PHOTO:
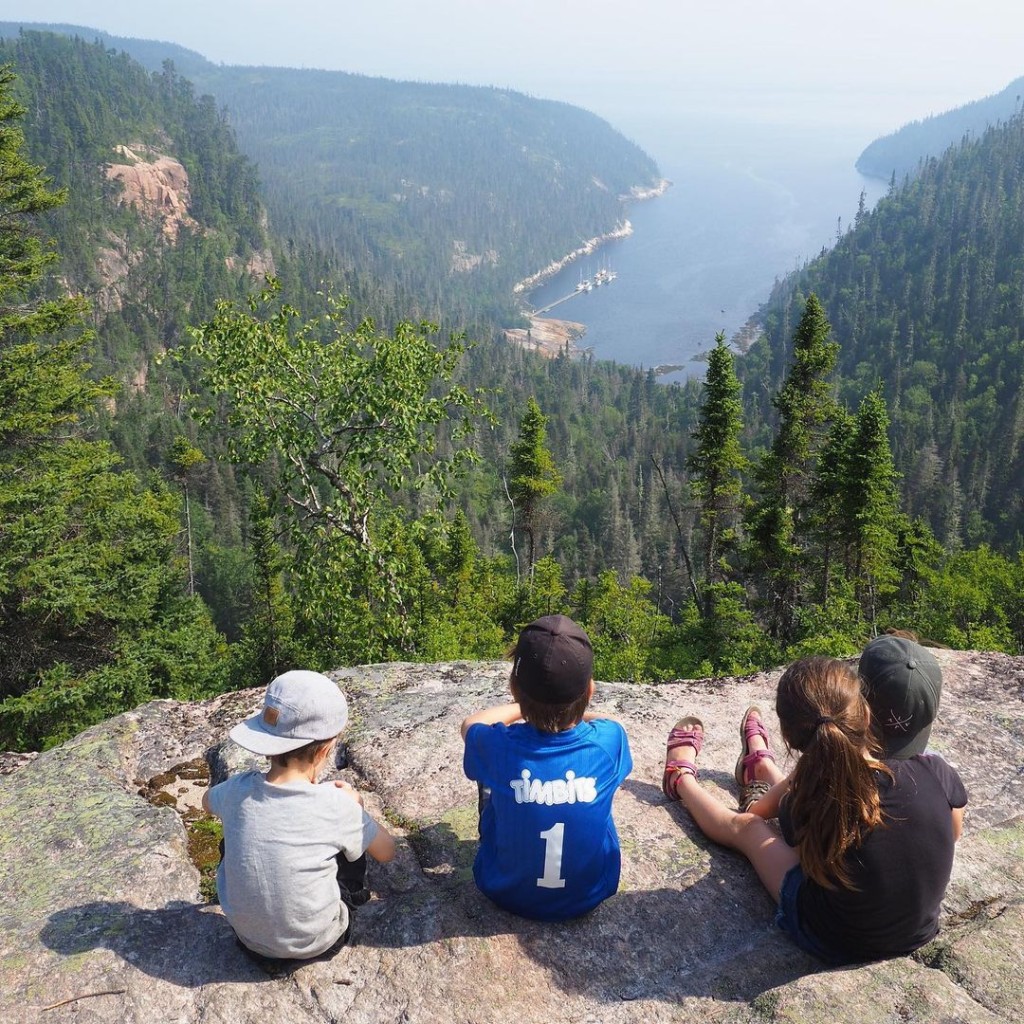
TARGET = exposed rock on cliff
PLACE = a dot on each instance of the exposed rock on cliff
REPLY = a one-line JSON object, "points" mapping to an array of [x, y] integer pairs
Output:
{"points": [[158, 188], [100, 903]]}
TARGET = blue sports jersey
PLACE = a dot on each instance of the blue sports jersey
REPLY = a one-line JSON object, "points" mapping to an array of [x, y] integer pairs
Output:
{"points": [[548, 845]]}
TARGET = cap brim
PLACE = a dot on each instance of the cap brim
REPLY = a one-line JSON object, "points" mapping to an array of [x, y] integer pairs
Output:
{"points": [[251, 735]]}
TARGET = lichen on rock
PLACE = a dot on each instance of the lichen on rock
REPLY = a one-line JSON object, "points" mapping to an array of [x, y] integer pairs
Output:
{"points": [[101, 904]]}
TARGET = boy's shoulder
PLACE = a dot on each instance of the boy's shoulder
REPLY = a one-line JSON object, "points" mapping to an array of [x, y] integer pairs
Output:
{"points": [[233, 788]]}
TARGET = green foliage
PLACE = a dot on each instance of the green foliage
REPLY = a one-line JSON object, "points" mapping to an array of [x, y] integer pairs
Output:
{"points": [[974, 601], [93, 618], [347, 418], [905, 150], [924, 294], [341, 530], [452, 193], [717, 461], [870, 511], [781, 515], [532, 474], [625, 628]]}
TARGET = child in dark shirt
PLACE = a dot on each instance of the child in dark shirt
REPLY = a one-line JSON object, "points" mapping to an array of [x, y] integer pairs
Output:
{"points": [[867, 842]]}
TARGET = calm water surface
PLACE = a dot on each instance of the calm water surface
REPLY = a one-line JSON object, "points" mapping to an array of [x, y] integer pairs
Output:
{"points": [[748, 204]]}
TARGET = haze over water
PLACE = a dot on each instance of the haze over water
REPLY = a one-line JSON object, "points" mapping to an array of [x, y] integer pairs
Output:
{"points": [[749, 203]]}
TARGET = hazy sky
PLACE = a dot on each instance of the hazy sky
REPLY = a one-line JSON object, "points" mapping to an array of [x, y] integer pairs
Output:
{"points": [[873, 64]]}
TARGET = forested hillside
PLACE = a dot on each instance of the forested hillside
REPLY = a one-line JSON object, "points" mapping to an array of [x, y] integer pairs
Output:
{"points": [[903, 151], [254, 475], [926, 294], [432, 199]]}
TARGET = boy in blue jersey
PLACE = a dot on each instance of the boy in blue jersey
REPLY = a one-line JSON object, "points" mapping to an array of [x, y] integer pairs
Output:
{"points": [[548, 845]]}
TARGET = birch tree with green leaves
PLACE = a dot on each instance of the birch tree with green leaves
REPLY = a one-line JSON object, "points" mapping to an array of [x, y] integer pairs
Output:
{"points": [[341, 421]]}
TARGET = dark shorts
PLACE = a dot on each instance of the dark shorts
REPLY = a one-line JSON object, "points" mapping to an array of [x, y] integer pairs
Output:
{"points": [[787, 917]]}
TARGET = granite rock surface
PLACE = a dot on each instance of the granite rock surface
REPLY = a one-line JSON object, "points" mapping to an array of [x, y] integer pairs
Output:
{"points": [[101, 918]]}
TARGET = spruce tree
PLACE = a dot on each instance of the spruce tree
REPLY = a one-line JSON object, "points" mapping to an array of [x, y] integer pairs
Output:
{"points": [[717, 461], [778, 523], [532, 476], [93, 613], [871, 504]]}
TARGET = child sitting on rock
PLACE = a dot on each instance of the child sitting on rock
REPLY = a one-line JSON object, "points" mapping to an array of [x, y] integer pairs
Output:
{"points": [[547, 771], [867, 841], [293, 859]]}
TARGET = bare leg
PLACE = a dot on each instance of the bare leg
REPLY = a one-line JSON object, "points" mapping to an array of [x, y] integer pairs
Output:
{"points": [[767, 851]]}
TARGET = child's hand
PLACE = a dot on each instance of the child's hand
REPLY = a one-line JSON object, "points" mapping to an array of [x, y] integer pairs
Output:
{"points": [[342, 784]]}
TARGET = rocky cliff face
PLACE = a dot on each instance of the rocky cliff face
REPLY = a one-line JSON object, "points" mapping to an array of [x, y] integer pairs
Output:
{"points": [[101, 917], [158, 187]]}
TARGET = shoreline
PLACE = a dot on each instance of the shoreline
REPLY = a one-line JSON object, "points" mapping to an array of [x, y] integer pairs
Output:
{"points": [[548, 336], [621, 230]]}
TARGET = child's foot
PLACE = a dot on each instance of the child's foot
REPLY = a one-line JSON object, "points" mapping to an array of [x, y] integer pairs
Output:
{"points": [[754, 752], [684, 743]]}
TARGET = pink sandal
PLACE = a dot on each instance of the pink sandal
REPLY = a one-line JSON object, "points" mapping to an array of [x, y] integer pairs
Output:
{"points": [[690, 731], [751, 788]]}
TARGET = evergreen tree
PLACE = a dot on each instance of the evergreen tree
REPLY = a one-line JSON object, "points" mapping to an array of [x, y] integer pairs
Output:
{"points": [[871, 506], [93, 614], [777, 525], [533, 475], [806, 405], [827, 519], [717, 462]]}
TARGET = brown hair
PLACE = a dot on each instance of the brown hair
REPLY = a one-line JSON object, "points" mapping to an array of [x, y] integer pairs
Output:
{"points": [[549, 717], [305, 754], [833, 797]]}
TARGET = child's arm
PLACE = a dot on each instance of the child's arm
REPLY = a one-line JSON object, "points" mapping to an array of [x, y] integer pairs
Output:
{"points": [[382, 848], [502, 714], [958, 823], [596, 716], [767, 806]]}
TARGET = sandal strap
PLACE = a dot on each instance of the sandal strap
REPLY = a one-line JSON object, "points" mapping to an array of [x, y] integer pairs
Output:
{"points": [[673, 769], [745, 765], [749, 760], [754, 727], [690, 735]]}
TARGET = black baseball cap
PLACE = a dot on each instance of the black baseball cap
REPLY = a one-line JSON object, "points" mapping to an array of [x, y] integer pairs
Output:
{"points": [[902, 684], [553, 660]]}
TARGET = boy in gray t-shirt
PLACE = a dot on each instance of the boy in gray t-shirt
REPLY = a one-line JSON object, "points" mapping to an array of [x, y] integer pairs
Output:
{"points": [[289, 842]]}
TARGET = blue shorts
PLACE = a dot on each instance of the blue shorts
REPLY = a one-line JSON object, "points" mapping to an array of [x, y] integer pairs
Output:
{"points": [[787, 917]]}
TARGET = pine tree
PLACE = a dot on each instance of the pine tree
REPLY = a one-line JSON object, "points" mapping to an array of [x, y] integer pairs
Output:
{"points": [[717, 461], [827, 520], [871, 504], [532, 476], [93, 614], [777, 525], [806, 405]]}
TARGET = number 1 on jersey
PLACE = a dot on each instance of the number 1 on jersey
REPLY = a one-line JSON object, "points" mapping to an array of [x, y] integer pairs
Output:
{"points": [[553, 839]]}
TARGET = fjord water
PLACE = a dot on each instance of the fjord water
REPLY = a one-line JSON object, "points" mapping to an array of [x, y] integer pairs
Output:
{"points": [[748, 204]]}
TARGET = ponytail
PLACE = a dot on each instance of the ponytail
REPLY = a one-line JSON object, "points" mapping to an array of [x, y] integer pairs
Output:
{"points": [[833, 798]]}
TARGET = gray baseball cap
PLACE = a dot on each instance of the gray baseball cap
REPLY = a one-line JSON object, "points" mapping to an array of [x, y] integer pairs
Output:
{"points": [[902, 684], [300, 707]]}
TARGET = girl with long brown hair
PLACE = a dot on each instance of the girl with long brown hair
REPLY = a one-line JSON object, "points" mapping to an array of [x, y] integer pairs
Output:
{"points": [[866, 849]]}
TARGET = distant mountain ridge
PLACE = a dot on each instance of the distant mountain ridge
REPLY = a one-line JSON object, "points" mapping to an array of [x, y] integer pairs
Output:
{"points": [[449, 194], [901, 152], [151, 54]]}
